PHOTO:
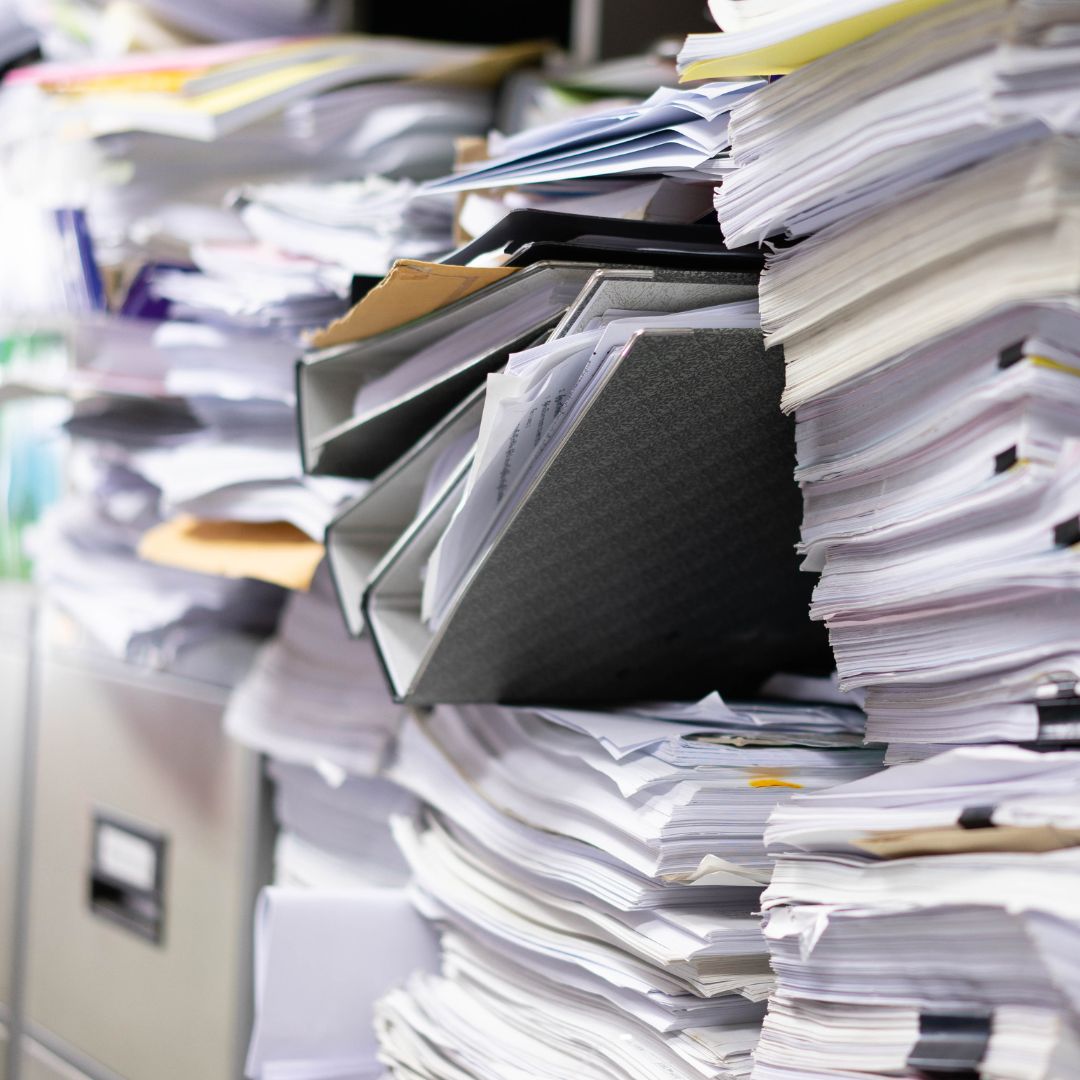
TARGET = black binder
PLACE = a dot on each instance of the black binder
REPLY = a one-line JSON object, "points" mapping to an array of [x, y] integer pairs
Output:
{"points": [[652, 557], [367, 528], [335, 442], [609, 239]]}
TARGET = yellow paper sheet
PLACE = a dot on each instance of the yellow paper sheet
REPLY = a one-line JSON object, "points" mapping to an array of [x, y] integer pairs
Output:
{"points": [[265, 84], [410, 290], [785, 56], [273, 551]]}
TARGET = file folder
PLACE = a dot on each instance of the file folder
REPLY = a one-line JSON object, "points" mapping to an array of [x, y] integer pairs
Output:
{"points": [[362, 533], [333, 441], [653, 289], [365, 530], [652, 557]]}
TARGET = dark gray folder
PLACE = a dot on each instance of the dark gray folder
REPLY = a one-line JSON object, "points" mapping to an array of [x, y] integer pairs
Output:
{"points": [[652, 557], [362, 533], [367, 528], [335, 442]]}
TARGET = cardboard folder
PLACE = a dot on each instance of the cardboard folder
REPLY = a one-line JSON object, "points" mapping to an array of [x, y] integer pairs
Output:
{"points": [[652, 557], [333, 441], [411, 290]]}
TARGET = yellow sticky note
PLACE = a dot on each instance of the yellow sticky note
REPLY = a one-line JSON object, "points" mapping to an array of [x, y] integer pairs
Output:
{"points": [[272, 551], [784, 57], [772, 781]]}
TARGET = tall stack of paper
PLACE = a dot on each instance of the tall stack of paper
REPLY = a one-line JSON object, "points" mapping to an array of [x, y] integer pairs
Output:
{"points": [[925, 921], [594, 877], [916, 166], [929, 322], [156, 477]]}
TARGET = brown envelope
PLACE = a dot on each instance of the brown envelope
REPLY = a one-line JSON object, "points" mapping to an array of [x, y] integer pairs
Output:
{"points": [[273, 551]]}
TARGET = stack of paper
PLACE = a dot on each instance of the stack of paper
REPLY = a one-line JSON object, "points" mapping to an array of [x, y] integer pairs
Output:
{"points": [[594, 876], [120, 138], [333, 828], [909, 105], [314, 696], [86, 549], [216, 476], [925, 919], [207, 92], [929, 326], [402, 130], [119, 171], [674, 132], [337, 930], [84, 557], [183, 452]]}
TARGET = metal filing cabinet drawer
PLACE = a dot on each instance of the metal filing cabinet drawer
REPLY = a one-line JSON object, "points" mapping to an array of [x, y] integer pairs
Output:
{"points": [[149, 831]]}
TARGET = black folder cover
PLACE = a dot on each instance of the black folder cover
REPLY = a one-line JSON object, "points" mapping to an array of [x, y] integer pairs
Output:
{"points": [[653, 558]]}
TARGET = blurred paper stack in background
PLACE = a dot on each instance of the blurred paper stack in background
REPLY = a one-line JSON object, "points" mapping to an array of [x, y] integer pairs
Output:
{"points": [[187, 313]]}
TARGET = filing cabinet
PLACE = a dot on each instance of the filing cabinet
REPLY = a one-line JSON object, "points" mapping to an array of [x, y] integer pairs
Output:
{"points": [[150, 842]]}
